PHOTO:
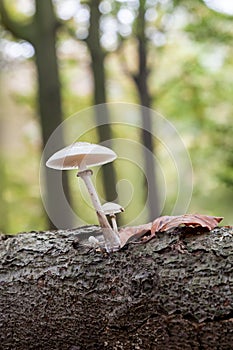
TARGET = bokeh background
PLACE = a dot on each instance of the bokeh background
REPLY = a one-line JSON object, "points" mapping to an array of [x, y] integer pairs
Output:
{"points": [[59, 57]]}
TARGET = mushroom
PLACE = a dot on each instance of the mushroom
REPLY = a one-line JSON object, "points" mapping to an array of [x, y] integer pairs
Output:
{"points": [[112, 209], [81, 155]]}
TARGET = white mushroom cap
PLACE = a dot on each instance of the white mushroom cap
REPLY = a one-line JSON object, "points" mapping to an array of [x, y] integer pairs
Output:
{"points": [[110, 208], [80, 155]]}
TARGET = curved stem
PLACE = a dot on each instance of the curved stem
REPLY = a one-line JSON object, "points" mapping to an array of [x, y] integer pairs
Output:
{"points": [[112, 240]]}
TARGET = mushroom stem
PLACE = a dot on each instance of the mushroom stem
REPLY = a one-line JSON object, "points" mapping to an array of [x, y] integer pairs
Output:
{"points": [[114, 223], [112, 239]]}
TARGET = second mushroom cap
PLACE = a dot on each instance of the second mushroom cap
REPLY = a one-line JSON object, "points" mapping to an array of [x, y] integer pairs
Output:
{"points": [[110, 208]]}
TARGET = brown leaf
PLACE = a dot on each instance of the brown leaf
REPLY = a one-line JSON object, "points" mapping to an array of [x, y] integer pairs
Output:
{"points": [[165, 223], [133, 232]]}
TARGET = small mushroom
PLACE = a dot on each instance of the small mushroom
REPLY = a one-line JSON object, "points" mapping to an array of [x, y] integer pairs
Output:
{"points": [[81, 155], [94, 242], [112, 209]]}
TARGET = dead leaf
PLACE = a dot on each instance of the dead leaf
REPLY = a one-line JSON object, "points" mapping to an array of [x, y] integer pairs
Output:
{"points": [[133, 232], [165, 223]]}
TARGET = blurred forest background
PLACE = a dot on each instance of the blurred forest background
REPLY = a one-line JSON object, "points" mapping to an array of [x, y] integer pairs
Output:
{"points": [[62, 56]]}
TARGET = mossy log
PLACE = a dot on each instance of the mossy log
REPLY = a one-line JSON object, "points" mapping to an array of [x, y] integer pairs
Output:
{"points": [[174, 292]]}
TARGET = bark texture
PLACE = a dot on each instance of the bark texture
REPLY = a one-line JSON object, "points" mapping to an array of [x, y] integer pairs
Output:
{"points": [[175, 292]]}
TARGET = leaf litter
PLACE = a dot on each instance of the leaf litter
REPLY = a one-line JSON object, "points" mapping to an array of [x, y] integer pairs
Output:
{"points": [[144, 233]]}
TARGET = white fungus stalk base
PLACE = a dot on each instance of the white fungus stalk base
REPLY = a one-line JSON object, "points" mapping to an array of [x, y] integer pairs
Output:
{"points": [[112, 240], [114, 223]]}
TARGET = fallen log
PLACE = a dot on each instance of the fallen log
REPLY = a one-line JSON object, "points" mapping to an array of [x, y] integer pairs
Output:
{"points": [[174, 292]]}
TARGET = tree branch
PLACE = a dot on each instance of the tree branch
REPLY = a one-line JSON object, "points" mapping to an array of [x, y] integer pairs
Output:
{"points": [[175, 292], [19, 30]]}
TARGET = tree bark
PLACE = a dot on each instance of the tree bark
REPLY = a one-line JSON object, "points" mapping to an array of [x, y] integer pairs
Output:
{"points": [[3, 174], [49, 102], [99, 80], [40, 31], [174, 292], [141, 82]]}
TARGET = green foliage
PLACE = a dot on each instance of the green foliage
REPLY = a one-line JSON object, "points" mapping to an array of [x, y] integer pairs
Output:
{"points": [[191, 84], [222, 139]]}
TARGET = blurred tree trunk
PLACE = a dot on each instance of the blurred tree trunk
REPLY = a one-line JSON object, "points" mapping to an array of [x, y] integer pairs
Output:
{"points": [[101, 114], [41, 33], [141, 82], [3, 175], [174, 292]]}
